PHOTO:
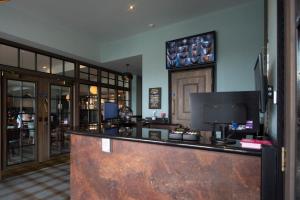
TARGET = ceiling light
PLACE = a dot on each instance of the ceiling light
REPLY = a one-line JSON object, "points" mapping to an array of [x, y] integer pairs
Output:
{"points": [[82, 66], [93, 90], [44, 67], [151, 25], [131, 7]]}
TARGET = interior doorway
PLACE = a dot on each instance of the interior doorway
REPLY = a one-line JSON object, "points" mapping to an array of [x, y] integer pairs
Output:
{"points": [[183, 83]]}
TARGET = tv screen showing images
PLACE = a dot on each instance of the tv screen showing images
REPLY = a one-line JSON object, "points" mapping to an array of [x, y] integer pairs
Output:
{"points": [[191, 51]]}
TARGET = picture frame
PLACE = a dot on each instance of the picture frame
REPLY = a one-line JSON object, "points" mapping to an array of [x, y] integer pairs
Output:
{"points": [[155, 98], [155, 135]]}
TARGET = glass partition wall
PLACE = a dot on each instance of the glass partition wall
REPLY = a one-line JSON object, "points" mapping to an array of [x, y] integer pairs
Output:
{"points": [[21, 121], [70, 93], [89, 107], [115, 88]]}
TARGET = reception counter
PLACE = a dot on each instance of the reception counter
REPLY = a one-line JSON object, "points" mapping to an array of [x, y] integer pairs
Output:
{"points": [[143, 163]]}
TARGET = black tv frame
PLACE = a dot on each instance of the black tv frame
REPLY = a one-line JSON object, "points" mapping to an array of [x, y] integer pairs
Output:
{"points": [[214, 33], [248, 98], [261, 82]]}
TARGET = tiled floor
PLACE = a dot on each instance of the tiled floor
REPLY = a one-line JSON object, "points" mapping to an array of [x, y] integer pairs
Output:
{"points": [[50, 183]]}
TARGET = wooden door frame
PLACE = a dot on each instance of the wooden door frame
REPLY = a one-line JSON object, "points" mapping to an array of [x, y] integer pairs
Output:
{"points": [[290, 140], [170, 72]]}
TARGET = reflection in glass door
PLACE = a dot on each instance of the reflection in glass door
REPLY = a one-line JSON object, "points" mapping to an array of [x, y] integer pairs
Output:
{"points": [[21, 121], [60, 119]]}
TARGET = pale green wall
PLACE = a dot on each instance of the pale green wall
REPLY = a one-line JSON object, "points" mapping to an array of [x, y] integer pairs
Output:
{"points": [[272, 67], [34, 31], [240, 32]]}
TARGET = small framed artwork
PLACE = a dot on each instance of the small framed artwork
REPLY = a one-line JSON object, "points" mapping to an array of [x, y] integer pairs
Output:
{"points": [[154, 98], [155, 135]]}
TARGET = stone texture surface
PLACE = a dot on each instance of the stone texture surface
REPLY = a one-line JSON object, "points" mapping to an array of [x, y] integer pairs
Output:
{"points": [[148, 171]]}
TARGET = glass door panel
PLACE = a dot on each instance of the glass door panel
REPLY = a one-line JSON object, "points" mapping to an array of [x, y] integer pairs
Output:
{"points": [[60, 119], [21, 122], [89, 107]]}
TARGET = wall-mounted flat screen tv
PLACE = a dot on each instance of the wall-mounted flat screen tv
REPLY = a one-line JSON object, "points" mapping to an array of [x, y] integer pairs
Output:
{"points": [[191, 51]]}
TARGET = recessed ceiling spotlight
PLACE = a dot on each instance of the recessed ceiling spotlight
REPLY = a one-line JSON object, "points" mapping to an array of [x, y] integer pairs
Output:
{"points": [[44, 67], [131, 7], [151, 25]]}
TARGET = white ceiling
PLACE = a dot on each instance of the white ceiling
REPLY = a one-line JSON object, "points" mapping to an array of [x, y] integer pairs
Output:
{"points": [[110, 19]]}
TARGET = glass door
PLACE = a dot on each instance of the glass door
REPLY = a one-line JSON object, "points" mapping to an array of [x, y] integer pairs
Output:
{"points": [[60, 119], [89, 107], [20, 121]]}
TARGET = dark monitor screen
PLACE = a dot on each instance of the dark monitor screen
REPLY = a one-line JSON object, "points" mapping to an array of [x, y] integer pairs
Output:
{"points": [[224, 108], [111, 111], [224, 113]]}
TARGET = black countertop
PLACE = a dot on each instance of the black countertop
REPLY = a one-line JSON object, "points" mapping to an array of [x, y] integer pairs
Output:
{"points": [[160, 137]]}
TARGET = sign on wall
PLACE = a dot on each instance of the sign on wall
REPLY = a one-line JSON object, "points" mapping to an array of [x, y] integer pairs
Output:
{"points": [[154, 98]]}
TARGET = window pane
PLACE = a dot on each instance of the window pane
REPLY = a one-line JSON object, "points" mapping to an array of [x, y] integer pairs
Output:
{"points": [[8, 55], [84, 68], [28, 89], [57, 66], [27, 59], [121, 95], [43, 63], [93, 71], [120, 78], [104, 74], [126, 84], [112, 94], [112, 82], [112, 76], [14, 88], [84, 90], [120, 83], [84, 76], [69, 69], [28, 105], [104, 93], [93, 78], [127, 96], [104, 80], [55, 91]]}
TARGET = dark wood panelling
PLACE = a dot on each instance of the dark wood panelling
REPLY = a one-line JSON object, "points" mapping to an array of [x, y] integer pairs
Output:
{"points": [[148, 171]]}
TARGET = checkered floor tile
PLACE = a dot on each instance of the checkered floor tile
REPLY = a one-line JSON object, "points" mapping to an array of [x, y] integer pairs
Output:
{"points": [[50, 183]]}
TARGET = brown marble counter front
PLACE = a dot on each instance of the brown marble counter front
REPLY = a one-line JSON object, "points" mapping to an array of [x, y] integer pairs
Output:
{"points": [[150, 171]]}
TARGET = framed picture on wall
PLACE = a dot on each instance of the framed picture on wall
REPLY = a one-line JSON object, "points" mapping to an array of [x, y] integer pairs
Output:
{"points": [[154, 98], [155, 135]]}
